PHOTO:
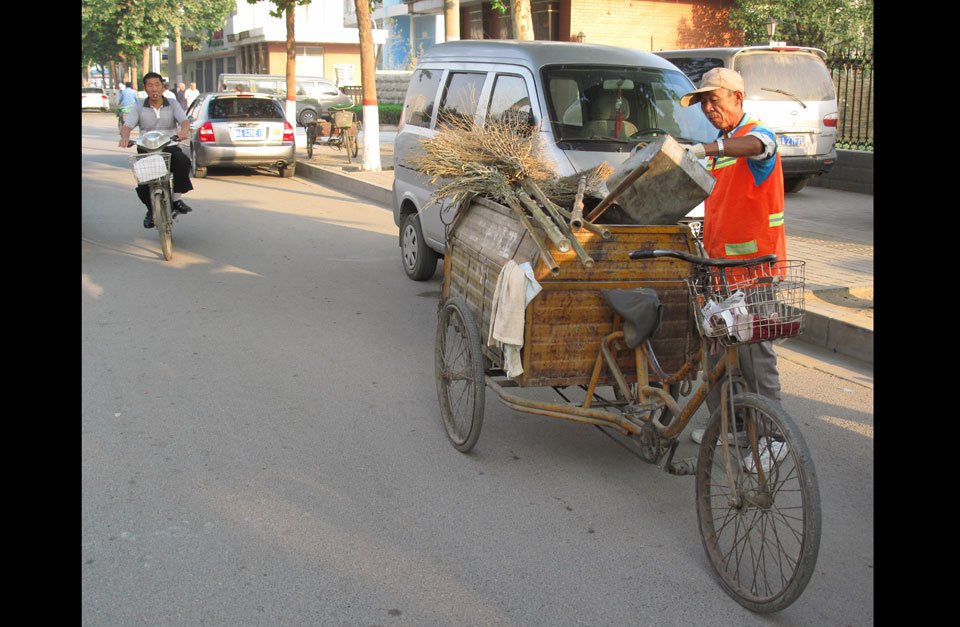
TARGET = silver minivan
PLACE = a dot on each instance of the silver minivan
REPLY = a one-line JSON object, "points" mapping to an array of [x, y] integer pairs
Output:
{"points": [[314, 95], [568, 92], [790, 90]]}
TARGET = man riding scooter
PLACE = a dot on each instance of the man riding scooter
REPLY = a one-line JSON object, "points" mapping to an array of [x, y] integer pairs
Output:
{"points": [[156, 113]]}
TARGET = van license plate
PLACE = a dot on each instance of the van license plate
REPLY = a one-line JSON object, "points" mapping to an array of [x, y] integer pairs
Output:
{"points": [[247, 133], [791, 140]]}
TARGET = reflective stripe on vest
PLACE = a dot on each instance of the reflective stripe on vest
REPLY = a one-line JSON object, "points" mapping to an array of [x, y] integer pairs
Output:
{"points": [[745, 248], [776, 219]]}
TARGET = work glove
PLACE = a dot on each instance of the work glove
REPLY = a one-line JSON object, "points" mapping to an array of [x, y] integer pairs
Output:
{"points": [[697, 150]]}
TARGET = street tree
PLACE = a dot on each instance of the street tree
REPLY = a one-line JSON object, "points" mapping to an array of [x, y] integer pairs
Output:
{"points": [[285, 9], [832, 25], [126, 29], [521, 17], [368, 81], [522, 20]]}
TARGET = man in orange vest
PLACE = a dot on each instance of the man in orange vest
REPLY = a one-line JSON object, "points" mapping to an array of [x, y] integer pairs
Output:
{"points": [[743, 217]]}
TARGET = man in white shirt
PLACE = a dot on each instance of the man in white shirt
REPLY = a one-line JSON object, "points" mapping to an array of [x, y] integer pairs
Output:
{"points": [[191, 94]]}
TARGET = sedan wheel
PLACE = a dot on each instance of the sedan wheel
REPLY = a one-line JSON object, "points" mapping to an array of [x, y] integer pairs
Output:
{"points": [[196, 172]]}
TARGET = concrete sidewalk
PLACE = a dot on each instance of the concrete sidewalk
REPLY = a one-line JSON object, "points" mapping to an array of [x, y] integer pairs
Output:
{"points": [[829, 229]]}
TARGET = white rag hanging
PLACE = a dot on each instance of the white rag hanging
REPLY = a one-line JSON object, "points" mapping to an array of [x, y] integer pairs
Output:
{"points": [[515, 288]]}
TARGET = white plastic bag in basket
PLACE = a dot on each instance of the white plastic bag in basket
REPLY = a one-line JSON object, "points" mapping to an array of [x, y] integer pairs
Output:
{"points": [[149, 168]]}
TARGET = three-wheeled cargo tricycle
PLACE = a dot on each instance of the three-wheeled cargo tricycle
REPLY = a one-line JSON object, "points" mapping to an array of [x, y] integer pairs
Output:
{"points": [[587, 335]]}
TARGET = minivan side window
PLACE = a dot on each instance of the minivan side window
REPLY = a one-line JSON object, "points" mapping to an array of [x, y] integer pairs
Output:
{"points": [[266, 87], [460, 96], [509, 100], [420, 99], [696, 67]]}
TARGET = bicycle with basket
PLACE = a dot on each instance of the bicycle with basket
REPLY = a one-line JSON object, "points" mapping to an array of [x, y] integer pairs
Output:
{"points": [[588, 335], [340, 131]]}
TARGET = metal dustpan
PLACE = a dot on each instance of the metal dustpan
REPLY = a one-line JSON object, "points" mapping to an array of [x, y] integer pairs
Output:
{"points": [[670, 183]]}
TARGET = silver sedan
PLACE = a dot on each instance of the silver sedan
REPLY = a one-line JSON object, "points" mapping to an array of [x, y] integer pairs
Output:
{"points": [[239, 128]]}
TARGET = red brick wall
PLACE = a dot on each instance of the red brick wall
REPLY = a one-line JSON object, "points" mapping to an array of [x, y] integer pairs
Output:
{"points": [[666, 24]]}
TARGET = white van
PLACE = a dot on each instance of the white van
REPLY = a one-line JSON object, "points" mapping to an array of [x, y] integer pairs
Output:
{"points": [[565, 90], [788, 89]]}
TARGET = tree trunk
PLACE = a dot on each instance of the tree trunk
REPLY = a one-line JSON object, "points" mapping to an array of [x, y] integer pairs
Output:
{"points": [[176, 59], [291, 103], [368, 81], [451, 20], [146, 62], [522, 20]]}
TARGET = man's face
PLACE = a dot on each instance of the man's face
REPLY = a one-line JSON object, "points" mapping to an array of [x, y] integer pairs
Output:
{"points": [[154, 87], [723, 108]]}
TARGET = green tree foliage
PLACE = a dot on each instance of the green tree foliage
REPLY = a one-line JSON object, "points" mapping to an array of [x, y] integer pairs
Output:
{"points": [[112, 29], [831, 25]]}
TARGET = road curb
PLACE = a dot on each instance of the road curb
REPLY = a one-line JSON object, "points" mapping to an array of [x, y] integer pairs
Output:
{"points": [[348, 183]]}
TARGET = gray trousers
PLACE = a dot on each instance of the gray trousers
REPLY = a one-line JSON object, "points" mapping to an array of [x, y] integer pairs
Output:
{"points": [[758, 364]]}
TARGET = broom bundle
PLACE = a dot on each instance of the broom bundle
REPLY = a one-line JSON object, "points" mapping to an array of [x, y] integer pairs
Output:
{"points": [[505, 162]]}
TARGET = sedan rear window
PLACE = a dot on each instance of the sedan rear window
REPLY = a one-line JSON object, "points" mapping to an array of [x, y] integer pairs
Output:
{"points": [[232, 108]]}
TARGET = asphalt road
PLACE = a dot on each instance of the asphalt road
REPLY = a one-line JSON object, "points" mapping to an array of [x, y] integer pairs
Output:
{"points": [[261, 442]]}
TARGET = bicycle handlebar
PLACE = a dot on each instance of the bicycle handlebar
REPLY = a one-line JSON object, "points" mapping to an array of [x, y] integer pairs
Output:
{"points": [[702, 261]]}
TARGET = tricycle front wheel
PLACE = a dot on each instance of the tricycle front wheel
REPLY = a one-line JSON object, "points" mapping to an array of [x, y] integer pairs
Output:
{"points": [[461, 386], [762, 534]]}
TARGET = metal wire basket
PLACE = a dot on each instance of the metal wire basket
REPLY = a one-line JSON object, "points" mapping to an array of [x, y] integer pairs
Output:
{"points": [[150, 166], [750, 303], [342, 119]]}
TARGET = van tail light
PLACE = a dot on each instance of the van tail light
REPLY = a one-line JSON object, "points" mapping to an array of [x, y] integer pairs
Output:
{"points": [[287, 132], [400, 123], [830, 120], [205, 133]]}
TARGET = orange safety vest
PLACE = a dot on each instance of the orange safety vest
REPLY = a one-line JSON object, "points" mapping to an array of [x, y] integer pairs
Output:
{"points": [[743, 216]]}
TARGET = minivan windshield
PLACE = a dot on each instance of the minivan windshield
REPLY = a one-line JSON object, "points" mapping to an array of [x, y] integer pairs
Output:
{"points": [[782, 76], [596, 105]]}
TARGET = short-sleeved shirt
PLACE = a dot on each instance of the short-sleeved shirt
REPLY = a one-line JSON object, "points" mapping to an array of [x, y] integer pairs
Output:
{"points": [[128, 97], [167, 118]]}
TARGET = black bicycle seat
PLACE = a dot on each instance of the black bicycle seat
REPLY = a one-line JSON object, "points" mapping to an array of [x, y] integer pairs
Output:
{"points": [[640, 310]]}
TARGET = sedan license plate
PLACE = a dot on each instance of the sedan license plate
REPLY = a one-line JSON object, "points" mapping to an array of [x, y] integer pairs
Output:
{"points": [[792, 140], [247, 133]]}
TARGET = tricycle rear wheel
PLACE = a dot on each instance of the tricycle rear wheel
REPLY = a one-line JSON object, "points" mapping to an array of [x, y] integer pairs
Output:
{"points": [[461, 387]]}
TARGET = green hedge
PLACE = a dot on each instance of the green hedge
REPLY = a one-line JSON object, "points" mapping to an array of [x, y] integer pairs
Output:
{"points": [[389, 113]]}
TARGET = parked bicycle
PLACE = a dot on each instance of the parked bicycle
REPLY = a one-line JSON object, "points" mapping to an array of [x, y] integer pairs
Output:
{"points": [[341, 131], [152, 168]]}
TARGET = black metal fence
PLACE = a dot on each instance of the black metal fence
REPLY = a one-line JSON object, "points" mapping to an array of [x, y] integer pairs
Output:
{"points": [[853, 78]]}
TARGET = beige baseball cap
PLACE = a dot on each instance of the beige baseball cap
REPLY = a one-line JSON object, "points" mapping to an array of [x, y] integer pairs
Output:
{"points": [[717, 78]]}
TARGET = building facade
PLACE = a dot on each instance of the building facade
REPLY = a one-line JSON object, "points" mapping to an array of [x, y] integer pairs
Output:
{"points": [[414, 25], [254, 42]]}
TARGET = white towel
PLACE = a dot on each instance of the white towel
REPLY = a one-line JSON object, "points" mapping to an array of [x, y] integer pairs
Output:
{"points": [[510, 298]]}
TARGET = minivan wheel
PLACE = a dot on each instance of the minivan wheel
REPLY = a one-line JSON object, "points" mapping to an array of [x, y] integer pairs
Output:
{"points": [[794, 184], [419, 260], [307, 117]]}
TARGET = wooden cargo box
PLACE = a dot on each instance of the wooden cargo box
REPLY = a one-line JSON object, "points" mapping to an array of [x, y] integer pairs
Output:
{"points": [[566, 321]]}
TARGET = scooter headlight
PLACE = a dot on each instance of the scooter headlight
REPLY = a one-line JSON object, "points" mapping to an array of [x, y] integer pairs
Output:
{"points": [[153, 140]]}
